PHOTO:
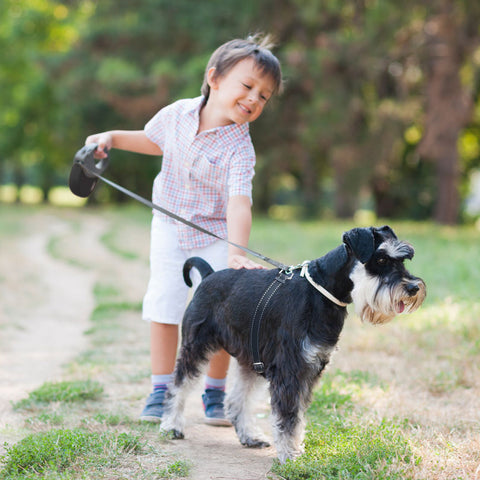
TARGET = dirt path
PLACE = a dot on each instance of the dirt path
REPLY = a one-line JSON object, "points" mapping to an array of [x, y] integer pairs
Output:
{"points": [[45, 309]]}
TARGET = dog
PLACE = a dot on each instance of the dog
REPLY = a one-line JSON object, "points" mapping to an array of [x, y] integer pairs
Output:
{"points": [[298, 315]]}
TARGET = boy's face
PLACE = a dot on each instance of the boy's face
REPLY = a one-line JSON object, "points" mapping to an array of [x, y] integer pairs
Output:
{"points": [[242, 93]]}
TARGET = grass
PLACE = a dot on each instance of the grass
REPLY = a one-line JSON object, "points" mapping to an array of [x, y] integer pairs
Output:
{"points": [[400, 401], [58, 451], [66, 392], [339, 445], [177, 469]]}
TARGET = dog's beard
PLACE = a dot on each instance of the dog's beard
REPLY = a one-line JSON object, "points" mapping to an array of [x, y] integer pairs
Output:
{"points": [[377, 303]]}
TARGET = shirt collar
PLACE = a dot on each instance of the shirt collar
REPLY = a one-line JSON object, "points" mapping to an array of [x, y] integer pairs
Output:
{"points": [[230, 132]]}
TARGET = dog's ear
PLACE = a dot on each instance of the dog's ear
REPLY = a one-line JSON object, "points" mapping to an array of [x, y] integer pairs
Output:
{"points": [[360, 241], [385, 232]]}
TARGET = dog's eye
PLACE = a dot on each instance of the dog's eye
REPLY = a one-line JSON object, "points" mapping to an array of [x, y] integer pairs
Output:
{"points": [[382, 261]]}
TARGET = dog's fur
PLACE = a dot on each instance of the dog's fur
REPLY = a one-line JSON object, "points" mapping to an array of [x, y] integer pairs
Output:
{"points": [[300, 328]]}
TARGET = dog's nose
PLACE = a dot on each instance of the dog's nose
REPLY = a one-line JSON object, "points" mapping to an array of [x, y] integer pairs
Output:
{"points": [[412, 289]]}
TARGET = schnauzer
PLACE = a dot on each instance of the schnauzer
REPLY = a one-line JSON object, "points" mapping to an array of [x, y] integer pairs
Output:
{"points": [[284, 325]]}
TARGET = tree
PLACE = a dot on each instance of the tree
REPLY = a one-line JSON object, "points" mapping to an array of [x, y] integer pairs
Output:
{"points": [[344, 133], [452, 36], [34, 35]]}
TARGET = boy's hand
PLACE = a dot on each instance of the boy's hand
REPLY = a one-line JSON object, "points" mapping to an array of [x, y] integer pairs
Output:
{"points": [[241, 261], [104, 142]]}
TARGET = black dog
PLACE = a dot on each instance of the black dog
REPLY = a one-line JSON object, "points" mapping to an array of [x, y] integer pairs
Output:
{"points": [[292, 322]]}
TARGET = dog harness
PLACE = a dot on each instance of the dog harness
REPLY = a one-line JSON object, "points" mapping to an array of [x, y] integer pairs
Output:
{"points": [[282, 277], [280, 280]]}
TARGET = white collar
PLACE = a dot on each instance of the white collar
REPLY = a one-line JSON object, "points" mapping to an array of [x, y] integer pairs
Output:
{"points": [[323, 291]]}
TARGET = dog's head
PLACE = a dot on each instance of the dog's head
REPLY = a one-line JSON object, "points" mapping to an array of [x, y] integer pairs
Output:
{"points": [[383, 287]]}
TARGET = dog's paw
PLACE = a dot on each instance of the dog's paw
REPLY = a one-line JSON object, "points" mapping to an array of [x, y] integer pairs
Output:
{"points": [[172, 434], [291, 455], [255, 443]]}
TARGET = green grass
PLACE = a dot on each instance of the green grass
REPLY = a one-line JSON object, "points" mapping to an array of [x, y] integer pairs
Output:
{"points": [[177, 469], [345, 439], [105, 321], [66, 392], [342, 450], [58, 451], [338, 445], [446, 257], [110, 240]]}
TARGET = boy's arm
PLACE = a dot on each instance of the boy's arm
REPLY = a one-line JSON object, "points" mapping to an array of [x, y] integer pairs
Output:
{"points": [[130, 140], [239, 224]]}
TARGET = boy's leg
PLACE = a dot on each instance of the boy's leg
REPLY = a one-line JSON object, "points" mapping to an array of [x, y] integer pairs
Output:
{"points": [[163, 307], [163, 347], [218, 366], [213, 399], [163, 352], [215, 383]]}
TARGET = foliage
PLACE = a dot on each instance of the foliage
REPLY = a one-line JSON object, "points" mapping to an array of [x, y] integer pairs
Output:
{"points": [[354, 82], [35, 36], [61, 450], [355, 77]]}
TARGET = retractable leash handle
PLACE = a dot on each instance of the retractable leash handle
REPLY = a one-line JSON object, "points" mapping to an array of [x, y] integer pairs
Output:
{"points": [[86, 170], [84, 177]]}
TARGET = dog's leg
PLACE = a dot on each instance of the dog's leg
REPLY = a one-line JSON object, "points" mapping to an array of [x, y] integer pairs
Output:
{"points": [[187, 369], [238, 409], [289, 404]]}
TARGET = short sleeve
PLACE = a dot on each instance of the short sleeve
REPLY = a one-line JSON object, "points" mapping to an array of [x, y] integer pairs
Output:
{"points": [[242, 171], [155, 129]]}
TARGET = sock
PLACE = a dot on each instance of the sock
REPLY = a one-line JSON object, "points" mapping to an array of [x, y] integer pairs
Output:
{"points": [[160, 382], [215, 383]]}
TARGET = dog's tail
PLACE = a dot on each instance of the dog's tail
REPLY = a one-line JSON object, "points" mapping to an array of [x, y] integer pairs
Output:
{"points": [[200, 264]]}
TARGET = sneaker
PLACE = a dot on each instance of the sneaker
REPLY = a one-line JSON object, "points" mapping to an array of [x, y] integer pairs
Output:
{"points": [[213, 405], [153, 410]]}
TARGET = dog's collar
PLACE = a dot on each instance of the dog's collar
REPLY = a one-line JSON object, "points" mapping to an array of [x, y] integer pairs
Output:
{"points": [[323, 291]]}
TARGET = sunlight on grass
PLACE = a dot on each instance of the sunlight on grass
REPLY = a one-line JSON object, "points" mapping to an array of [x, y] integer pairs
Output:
{"points": [[63, 197], [30, 195], [453, 315], [8, 193]]}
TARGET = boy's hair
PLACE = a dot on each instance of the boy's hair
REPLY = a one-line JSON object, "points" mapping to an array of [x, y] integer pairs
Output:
{"points": [[225, 57]]}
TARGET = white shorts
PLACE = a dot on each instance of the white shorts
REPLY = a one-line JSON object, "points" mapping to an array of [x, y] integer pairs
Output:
{"points": [[167, 294]]}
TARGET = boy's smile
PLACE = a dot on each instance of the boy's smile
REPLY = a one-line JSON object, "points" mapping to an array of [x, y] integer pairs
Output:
{"points": [[239, 96]]}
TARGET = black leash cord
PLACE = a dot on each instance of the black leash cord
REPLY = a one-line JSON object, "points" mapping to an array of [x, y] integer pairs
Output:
{"points": [[150, 204]]}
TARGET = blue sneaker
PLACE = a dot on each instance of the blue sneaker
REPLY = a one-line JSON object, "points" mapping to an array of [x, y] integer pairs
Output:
{"points": [[153, 410], [213, 404]]}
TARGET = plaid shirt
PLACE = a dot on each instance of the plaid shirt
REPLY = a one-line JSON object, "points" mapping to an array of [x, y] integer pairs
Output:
{"points": [[199, 172]]}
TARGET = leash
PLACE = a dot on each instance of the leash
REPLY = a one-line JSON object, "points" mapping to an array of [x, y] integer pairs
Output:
{"points": [[83, 179]]}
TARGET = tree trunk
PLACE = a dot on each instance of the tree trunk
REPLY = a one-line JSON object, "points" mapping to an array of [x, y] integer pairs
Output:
{"points": [[448, 110], [347, 180]]}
